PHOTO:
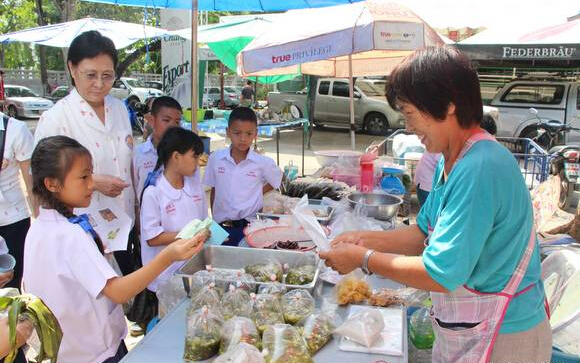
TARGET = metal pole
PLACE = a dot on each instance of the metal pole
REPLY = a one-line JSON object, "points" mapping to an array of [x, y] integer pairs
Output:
{"points": [[194, 66], [351, 102]]}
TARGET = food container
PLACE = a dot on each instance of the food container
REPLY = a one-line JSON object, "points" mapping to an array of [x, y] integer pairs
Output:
{"points": [[323, 213], [376, 205], [265, 237], [237, 258], [329, 157]]}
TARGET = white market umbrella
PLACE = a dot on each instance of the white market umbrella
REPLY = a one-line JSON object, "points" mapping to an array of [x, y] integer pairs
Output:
{"points": [[61, 35], [367, 38]]}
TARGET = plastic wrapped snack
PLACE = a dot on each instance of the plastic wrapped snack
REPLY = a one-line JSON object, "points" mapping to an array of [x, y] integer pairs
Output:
{"points": [[262, 271], [300, 275], [266, 310], [241, 353], [245, 281], [207, 296], [202, 278], [236, 302], [239, 330], [297, 305], [317, 330], [273, 203], [364, 327], [352, 289], [284, 344], [385, 297], [169, 294], [203, 334], [274, 288]]}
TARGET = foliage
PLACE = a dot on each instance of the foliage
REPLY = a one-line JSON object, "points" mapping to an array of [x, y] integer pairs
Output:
{"points": [[16, 15]]}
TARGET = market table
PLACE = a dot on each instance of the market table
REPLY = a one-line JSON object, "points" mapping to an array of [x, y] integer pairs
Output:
{"points": [[165, 343], [219, 126]]}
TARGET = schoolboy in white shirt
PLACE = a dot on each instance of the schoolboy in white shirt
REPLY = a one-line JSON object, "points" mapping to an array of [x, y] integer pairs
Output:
{"points": [[239, 176], [165, 113]]}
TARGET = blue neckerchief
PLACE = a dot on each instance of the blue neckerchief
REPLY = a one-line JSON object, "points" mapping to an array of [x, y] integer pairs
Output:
{"points": [[83, 221], [151, 178]]}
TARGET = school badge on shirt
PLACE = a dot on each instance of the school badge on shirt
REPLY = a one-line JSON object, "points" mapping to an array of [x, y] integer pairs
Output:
{"points": [[170, 208]]}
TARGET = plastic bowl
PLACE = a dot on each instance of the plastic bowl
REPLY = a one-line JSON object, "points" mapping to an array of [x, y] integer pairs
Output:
{"points": [[329, 157], [265, 237], [376, 205]]}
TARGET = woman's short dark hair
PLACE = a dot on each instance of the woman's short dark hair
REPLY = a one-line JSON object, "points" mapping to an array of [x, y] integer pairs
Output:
{"points": [[434, 77], [90, 44]]}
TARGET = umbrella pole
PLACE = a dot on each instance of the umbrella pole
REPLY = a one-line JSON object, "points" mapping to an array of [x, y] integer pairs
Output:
{"points": [[351, 102], [194, 65]]}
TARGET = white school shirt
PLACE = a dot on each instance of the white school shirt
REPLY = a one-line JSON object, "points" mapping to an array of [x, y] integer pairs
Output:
{"points": [[239, 187], [63, 267], [144, 161], [17, 148], [166, 209], [110, 144]]}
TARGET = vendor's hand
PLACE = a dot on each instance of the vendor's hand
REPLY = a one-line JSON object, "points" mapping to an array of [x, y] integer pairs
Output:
{"points": [[354, 237], [344, 258], [109, 185], [6, 277]]}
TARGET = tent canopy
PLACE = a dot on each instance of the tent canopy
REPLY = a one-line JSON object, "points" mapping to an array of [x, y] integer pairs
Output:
{"points": [[379, 34], [61, 35], [560, 42], [226, 40], [228, 5]]}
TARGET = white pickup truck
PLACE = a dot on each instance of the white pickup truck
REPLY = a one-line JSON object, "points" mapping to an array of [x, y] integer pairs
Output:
{"points": [[554, 99], [372, 112]]}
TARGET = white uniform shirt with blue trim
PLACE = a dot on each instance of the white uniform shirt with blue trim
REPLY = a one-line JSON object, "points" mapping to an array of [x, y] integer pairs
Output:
{"points": [[239, 187]]}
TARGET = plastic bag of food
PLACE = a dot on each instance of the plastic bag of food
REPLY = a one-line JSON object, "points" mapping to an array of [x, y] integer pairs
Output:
{"points": [[207, 296], [273, 203], [236, 302], [364, 327], [273, 288], [385, 297], [284, 344], [241, 353], [170, 293], [352, 289], [317, 329], [239, 330], [245, 281], [301, 275], [266, 310], [297, 305], [202, 278], [262, 271], [203, 334]]}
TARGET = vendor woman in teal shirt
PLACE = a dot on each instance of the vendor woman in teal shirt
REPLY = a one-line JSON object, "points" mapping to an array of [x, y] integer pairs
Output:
{"points": [[473, 246]]}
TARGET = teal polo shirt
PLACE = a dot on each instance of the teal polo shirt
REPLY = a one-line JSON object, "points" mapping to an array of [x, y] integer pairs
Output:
{"points": [[481, 218]]}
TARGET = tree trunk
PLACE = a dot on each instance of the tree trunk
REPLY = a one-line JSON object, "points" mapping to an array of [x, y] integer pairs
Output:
{"points": [[68, 12], [42, 51], [138, 53]]}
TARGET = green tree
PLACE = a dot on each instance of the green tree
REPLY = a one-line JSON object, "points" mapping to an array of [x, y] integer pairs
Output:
{"points": [[16, 15]]}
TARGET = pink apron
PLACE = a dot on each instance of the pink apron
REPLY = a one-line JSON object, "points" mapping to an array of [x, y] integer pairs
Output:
{"points": [[482, 313]]}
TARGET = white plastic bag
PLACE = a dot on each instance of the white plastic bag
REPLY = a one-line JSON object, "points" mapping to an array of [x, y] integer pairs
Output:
{"points": [[241, 353], [364, 327], [170, 293], [304, 216]]}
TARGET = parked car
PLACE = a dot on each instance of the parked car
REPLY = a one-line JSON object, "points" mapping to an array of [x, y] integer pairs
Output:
{"points": [[154, 84], [553, 99], [59, 93], [372, 112], [231, 99], [23, 102], [133, 90]]}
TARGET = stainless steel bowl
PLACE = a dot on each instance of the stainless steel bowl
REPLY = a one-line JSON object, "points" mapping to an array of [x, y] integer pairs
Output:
{"points": [[376, 205]]}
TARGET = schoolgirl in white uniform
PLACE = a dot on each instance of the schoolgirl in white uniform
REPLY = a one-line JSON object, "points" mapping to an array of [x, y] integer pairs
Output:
{"points": [[175, 198], [64, 263]]}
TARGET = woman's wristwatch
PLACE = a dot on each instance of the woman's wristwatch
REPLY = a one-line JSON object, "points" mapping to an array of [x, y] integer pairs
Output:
{"points": [[365, 263]]}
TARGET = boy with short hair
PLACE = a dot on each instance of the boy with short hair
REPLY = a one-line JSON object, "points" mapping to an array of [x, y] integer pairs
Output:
{"points": [[239, 176], [165, 113]]}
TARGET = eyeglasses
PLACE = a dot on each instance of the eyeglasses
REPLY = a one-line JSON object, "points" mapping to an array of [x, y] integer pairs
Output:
{"points": [[107, 77]]}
